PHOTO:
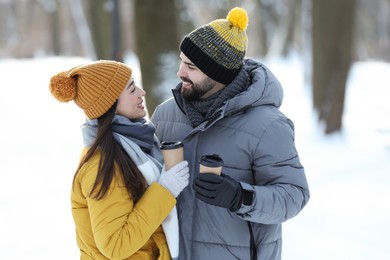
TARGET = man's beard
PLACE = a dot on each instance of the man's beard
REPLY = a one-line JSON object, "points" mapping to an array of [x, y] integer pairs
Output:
{"points": [[198, 89]]}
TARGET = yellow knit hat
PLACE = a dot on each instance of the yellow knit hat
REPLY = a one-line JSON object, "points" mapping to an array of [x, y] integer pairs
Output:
{"points": [[218, 48], [94, 87]]}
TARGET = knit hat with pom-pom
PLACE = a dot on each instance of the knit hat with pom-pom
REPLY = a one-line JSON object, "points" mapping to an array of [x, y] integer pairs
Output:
{"points": [[218, 48], [94, 87]]}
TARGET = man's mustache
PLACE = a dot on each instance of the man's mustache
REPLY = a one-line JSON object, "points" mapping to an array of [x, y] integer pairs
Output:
{"points": [[186, 80]]}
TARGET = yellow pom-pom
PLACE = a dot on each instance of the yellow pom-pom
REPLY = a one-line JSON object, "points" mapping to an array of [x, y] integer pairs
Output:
{"points": [[63, 87], [238, 17]]}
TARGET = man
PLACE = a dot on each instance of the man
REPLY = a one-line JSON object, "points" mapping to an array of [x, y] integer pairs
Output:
{"points": [[228, 105]]}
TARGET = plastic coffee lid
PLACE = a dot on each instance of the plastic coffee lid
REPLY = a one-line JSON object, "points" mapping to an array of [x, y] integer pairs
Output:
{"points": [[211, 160], [171, 145]]}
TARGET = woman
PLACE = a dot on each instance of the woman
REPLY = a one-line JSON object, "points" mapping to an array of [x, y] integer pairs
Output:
{"points": [[123, 201]]}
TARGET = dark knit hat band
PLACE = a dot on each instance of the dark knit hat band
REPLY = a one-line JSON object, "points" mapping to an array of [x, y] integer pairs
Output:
{"points": [[206, 64]]}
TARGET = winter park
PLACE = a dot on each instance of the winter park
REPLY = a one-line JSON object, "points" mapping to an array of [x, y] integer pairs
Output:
{"points": [[348, 171]]}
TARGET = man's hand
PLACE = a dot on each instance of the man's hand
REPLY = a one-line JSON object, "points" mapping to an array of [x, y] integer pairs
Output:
{"points": [[222, 191]]}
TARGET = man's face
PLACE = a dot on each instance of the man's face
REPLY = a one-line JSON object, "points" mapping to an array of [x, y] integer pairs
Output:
{"points": [[195, 84]]}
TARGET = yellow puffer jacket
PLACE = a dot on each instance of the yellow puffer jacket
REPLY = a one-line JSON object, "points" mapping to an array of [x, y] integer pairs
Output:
{"points": [[114, 227]]}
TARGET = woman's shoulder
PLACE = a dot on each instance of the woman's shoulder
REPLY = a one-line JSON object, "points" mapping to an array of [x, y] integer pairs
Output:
{"points": [[89, 169]]}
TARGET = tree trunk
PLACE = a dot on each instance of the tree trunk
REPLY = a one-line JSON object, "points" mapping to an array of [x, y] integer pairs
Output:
{"points": [[117, 52], [100, 20], [283, 35], [157, 48], [293, 7], [82, 28], [332, 54], [55, 28]]}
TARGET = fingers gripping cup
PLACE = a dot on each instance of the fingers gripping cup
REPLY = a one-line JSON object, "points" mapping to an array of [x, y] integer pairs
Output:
{"points": [[211, 163], [173, 153]]}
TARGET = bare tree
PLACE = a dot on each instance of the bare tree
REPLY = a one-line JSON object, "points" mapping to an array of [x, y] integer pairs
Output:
{"points": [[332, 34], [157, 47], [117, 53], [373, 30], [82, 28], [100, 22], [281, 32]]}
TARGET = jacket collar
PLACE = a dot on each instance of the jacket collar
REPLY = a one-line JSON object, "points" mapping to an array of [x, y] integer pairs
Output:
{"points": [[264, 89]]}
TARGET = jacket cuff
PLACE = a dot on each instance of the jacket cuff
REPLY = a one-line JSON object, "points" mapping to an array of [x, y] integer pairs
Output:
{"points": [[244, 209]]}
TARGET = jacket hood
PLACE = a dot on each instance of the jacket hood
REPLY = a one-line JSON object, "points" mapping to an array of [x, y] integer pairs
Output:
{"points": [[264, 89]]}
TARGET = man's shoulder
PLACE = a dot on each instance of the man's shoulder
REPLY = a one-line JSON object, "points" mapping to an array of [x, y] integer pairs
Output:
{"points": [[167, 104], [165, 109]]}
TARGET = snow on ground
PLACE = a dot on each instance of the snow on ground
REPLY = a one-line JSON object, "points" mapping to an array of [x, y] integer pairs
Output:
{"points": [[348, 173]]}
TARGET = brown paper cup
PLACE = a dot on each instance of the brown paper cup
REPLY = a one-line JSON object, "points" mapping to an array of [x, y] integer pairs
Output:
{"points": [[173, 153], [211, 164]]}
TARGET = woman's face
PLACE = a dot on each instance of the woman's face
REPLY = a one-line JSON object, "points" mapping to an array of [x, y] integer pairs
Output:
{"points": [[130, 101]]}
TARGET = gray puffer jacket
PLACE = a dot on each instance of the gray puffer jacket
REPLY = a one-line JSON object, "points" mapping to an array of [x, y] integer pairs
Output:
{"points": [[256, 142]]}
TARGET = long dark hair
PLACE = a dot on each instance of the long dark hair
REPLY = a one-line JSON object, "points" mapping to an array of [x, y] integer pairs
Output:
{"points": [[112, 153]]}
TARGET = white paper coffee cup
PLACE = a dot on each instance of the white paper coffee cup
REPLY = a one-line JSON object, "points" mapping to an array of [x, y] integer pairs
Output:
{"points": [[211, 163], [173, 153]]}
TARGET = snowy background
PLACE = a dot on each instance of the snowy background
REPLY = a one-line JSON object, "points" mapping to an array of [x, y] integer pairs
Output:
{"points": [[349, 173]]}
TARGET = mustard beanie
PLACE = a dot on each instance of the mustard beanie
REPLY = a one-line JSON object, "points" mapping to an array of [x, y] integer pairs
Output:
{"points": [[94, 87], [218, 48]]}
